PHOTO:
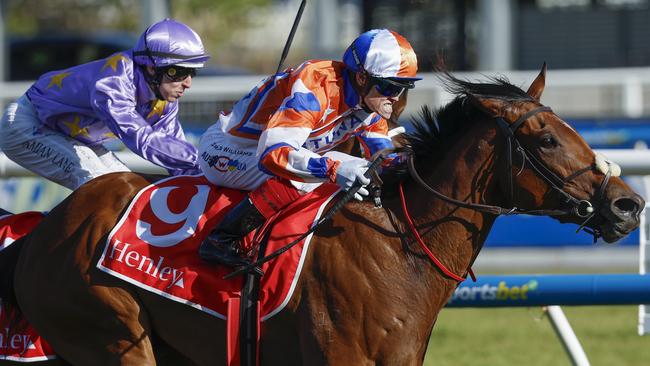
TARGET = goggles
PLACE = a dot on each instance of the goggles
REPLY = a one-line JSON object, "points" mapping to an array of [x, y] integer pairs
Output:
{"points": [[388, 87], [178, 73]]}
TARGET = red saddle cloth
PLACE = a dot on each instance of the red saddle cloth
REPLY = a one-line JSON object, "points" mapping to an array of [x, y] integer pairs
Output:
{"points": [[18, 340], [155, 244]]}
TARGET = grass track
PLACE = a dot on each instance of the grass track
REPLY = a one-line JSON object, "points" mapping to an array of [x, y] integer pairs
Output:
{"points": [[524, 336]]}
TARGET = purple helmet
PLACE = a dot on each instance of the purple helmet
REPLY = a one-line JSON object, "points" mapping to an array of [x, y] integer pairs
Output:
{"points": [[170, 42]]}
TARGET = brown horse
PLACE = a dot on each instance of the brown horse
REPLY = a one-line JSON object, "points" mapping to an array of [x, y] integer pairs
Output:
{"points": [[368, 294]]}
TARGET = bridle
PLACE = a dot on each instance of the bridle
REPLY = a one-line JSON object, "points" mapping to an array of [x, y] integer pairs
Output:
{"points": [[584, 209], [581, 208]]}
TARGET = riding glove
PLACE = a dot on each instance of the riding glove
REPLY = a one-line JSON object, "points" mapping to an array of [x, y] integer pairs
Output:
{"points": [[350, 171]]}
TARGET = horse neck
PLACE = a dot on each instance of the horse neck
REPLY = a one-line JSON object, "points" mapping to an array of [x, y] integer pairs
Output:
{"points": [[466, 173], [362, 261]]}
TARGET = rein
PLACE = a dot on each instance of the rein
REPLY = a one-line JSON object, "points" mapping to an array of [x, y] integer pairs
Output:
{"points": [[349, 194], [581, 208], [424, 247]]}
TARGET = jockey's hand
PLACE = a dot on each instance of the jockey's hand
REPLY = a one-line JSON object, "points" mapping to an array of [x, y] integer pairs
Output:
{"points": [[350, 171]]}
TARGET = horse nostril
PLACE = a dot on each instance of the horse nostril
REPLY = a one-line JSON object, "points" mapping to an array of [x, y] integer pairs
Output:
{"points": [[626, 206]]}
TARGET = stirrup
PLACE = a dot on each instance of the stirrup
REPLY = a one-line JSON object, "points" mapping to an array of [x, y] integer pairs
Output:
{"points": [[220, 252]]}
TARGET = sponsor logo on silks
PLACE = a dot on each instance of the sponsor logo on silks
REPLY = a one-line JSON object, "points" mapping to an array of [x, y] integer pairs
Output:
{"points": [[223, 163], [345, 127], [501, 292]]}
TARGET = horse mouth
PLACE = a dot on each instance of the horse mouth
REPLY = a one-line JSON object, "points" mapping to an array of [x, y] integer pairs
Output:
{"points": [[613, 235], [614, 231]]}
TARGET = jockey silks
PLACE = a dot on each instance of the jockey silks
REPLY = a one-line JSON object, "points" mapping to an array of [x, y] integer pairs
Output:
{"points": [[284, 125], [108, 99]]}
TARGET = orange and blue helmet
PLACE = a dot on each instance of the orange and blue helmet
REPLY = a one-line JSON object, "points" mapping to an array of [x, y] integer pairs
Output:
{"points": [[385, 54]]}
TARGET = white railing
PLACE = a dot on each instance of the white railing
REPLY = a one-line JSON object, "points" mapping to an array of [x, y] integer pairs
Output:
{"points": [[632, 162], [644, 268], [623, 92]]}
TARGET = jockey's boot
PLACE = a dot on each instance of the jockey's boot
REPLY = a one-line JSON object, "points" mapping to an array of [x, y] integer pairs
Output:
{"points": [[222, 246]]}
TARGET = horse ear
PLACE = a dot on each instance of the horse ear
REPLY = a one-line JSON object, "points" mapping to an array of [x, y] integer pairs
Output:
{"points": [[537, 87]]}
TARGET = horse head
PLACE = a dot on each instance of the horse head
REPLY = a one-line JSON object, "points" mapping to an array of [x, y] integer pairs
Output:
{"points": [[544, 167]]}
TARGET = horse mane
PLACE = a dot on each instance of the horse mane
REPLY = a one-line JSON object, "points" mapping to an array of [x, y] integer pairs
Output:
{"points": [[434, 130]]}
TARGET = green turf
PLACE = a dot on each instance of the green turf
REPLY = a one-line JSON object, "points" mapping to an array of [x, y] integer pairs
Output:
{"points": [[524, 336]]}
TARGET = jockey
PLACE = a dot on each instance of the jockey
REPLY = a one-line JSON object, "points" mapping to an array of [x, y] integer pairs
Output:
{"points": [[57, 128], [277, 139]]}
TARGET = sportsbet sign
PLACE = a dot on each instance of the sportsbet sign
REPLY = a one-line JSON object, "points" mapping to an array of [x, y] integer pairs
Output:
{"points": [[540, 290], [500, 293]]}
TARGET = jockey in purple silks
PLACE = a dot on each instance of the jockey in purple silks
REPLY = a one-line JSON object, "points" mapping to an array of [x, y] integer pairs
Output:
{"points": [[58, 127]]}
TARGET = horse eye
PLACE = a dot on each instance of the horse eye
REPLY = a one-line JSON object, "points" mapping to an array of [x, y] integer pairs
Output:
{"points": [[548, 141]]}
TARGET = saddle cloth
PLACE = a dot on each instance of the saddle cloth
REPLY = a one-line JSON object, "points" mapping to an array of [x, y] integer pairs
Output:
{"points": [[19, 342], [155, 244]]}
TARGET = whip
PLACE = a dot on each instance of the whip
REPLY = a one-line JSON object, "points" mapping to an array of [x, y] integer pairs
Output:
{"points": [[287, 45]]}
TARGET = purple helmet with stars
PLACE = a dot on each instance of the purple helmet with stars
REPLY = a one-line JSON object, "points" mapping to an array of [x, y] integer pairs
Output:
{"points": [[170, 42]]}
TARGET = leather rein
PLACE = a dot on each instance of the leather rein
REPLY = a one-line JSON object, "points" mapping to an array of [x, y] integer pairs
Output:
{"points": [[581, 208]]}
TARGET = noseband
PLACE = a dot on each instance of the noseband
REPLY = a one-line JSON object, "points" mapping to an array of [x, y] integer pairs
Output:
{"points": [[583, 209]]}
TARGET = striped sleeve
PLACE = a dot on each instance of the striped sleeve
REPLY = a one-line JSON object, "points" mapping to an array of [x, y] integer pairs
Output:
{"points": [[281, 148], [374, 137]]}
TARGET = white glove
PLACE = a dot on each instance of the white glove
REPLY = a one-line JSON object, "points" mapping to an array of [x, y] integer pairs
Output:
{"points": [[350, 171]]}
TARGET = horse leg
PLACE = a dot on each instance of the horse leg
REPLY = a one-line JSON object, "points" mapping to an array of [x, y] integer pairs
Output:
{"points": [[89, 324], [168, 356], [194, 334], [281, 343]]}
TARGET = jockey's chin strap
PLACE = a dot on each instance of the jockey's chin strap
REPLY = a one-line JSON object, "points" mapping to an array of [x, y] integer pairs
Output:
{"points": [[584, 209]]}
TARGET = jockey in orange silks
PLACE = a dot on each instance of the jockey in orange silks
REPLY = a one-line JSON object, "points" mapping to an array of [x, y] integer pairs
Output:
{"points": [[276, 142]]}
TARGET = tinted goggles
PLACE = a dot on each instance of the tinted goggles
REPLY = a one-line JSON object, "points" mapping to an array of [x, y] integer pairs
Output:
{"points": [[389, 88], [178, 73]]}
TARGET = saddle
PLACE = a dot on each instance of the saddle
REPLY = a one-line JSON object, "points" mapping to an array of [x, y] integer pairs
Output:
{"points": [[154, 245]]}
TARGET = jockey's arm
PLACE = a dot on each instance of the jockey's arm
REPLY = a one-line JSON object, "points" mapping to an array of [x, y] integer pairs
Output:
{"points": [[281, 148], [162, 143], [281, 153]]}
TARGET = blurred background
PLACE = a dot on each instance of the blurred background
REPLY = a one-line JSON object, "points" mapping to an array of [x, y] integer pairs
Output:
{"points": [[596, 50], [598, 80]]}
